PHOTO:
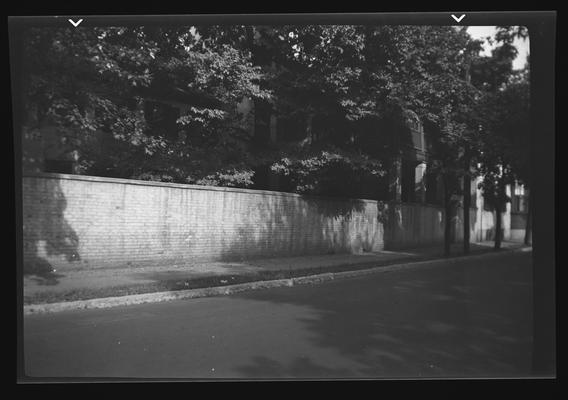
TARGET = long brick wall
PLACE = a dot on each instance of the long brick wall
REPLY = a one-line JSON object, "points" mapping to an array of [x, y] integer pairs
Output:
{"points": [[75, 221], [414, 225], [72, 221]]}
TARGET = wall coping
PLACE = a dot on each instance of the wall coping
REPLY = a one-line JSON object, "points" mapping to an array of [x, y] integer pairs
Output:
{"points": [[429, 205], [89, 178]]}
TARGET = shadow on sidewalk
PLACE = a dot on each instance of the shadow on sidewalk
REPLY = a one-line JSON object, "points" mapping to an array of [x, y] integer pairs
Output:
{"points": [[47, 278], [161, 279]]}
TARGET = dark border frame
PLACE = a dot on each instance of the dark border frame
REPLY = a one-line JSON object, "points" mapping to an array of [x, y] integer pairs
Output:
{"points": [[543, 42]]}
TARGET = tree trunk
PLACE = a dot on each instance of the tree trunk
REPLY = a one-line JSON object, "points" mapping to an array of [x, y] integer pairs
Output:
{"points": [[448, 216], [466, 206], [528, 227], [466, 183], [498, 226]]}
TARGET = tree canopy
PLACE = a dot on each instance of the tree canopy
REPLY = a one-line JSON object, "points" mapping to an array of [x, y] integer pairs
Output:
{"points": [[90, 80], [336, 90]]}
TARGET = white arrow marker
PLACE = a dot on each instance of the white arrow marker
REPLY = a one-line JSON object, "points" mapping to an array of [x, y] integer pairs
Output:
{"points": [[458, 19], [76, 24]]}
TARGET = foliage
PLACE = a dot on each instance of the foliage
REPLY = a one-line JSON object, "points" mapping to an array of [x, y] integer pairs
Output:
{"points": [[361, 71], [330, 172], [505, 128], [89, 82], [345, 86], [228, 178], [345, 76]]}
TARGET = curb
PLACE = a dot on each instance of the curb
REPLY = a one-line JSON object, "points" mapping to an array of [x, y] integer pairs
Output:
{"points": [[158, 297]]}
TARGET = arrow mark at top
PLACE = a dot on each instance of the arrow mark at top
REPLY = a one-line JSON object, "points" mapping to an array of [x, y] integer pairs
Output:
{"points": [[75, 24], [458, 19]]}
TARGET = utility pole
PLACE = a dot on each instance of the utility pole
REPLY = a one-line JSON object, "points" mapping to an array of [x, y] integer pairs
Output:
{"points": [[448, 213]]}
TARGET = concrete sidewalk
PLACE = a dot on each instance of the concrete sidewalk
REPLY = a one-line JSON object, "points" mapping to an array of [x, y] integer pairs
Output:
{"points": [[91, 284]]}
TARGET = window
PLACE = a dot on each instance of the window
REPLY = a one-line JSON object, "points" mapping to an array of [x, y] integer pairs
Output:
{"points": [[519, 190], [519, 199]]}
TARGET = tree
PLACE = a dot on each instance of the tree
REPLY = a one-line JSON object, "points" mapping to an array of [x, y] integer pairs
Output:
{"points": [[89, 81], [343, 87], [504, 126], [337, 78], [351, 74], [505, 159], [447, 108]]}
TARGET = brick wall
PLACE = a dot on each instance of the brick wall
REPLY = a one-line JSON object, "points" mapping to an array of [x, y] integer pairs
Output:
{"points": [[72, 221], [482, 225], [75, 221], [414, 225]]}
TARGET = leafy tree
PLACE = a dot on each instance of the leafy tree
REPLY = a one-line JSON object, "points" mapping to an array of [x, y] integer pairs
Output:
{"points": [[88, 81], [505, 158], [504, 126], [349, 76], [339, 78], [445, 103], [344, 88]]}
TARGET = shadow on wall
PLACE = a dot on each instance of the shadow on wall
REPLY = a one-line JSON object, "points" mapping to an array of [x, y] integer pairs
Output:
{"points": [[340, 224], [411, 225], [47, 234], [292, 226]]}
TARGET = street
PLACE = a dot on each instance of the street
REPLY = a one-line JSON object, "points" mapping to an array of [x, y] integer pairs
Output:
{"points": [[458, 318]]}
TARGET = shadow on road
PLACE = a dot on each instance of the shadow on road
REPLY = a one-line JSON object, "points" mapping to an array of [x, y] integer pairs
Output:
{"points": [[466, 320], [301, 367]]}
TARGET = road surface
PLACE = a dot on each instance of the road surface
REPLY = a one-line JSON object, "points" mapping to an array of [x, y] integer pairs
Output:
{"points": [[466, 318]]}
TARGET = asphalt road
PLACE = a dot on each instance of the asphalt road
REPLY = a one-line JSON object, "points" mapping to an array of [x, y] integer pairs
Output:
{"points": [[466, 318]]}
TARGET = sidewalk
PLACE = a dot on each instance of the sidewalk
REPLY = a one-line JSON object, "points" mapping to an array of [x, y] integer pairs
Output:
{"points": [[93, 284]]}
